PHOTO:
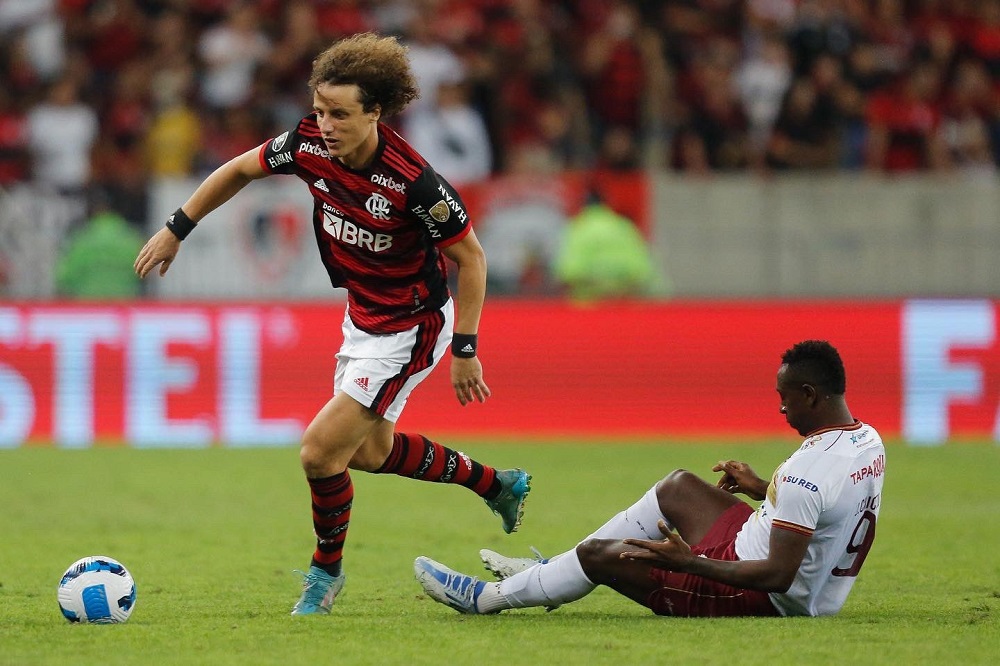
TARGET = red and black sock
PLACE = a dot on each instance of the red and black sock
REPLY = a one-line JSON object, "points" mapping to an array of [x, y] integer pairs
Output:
{"points": [[331, 510], [417, 457]]}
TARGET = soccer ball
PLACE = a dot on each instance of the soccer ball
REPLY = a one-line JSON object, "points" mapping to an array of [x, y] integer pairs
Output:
{"points": [[97, 589]]}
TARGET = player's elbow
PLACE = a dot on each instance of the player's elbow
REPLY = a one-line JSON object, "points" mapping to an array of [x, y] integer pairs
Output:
{"points": [[783, 586], [779, 580], [473, 261], [244, 168]]}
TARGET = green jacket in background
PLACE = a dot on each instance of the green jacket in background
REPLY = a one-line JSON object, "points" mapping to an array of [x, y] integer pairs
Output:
{"points": [[97, 260], [603, 255]]}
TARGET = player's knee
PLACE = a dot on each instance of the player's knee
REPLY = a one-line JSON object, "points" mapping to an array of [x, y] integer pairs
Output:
{"points": [[597, 557], [674, 486], [311, 460], [315, 456]]}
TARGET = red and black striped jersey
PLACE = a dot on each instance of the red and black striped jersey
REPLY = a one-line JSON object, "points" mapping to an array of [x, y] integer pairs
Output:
{"points": [[379, 229]]}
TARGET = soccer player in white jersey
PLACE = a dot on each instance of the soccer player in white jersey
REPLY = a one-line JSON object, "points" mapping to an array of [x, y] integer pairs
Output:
{"points": [[798, 553]]}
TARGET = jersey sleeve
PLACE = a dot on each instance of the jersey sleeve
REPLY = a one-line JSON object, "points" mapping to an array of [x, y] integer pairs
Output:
{"points": [[278, 154], [799, 495], [437, 205]]}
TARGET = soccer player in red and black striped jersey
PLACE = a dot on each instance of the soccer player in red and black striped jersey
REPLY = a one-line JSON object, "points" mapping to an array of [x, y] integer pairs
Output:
{"points": [[384, 222]]}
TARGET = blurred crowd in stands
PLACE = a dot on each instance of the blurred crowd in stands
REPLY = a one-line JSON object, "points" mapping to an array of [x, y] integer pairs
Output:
{"points": [[113, 93]]}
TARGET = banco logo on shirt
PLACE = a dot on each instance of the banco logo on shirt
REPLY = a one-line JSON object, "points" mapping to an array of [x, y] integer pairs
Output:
{"points": [[349, 233]]}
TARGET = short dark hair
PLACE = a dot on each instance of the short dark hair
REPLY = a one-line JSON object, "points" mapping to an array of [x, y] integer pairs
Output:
{"points": [[819, 363], [379, 66]]}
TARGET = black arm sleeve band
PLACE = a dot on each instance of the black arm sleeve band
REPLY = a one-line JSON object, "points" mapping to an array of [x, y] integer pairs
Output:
{"points": [[180, 224], [464, 345]]}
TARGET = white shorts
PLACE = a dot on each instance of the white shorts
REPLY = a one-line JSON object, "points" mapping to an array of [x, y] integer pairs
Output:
{"points": [[380, 371]]}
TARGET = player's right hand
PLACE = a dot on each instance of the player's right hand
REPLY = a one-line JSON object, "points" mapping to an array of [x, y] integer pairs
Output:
{"points": [[159, 250], [738, 477], [671, 553]]}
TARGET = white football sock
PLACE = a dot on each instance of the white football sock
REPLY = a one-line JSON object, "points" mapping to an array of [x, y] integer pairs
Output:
{"points": [[561, 579], [551, 584], [639, 521], [636, 522]]}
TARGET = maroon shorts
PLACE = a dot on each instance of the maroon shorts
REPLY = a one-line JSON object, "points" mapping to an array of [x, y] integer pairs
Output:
{"points": [[687, 595]]}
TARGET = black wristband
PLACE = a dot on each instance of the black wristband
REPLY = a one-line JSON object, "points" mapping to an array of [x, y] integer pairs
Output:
{"points": [[180, 224], [464, 345]]}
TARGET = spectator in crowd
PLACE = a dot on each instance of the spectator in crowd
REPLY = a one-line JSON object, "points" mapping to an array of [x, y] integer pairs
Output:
{"points": [[821, 27], [803, 135], [61, 131], [118, 158], [612, 68], [851, 128], [232, 52], [904, 124], [13, 145], [618, 150], [112, 38], [39, 31], [97, 260], [341, 18], [985, 36], [603, 255], [688, 153], [452, 136], [432, 59], [762, 80], [968, 114], [715, 117], [693, 85], [299, 39], [174, 137], [891, 34]]}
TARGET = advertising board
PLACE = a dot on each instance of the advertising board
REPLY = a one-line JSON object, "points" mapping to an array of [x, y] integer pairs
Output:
{"points": [[255, 374]]}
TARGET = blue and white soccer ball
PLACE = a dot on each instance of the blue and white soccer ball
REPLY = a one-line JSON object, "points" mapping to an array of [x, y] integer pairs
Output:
{"points": [[97, 589]]}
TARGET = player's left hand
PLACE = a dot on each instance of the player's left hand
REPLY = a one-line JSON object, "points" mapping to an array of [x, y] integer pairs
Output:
{"points": [[467, 380], [670, 553]]}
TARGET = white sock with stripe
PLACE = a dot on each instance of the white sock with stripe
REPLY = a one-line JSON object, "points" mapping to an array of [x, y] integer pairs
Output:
{"points": [[636, 522], [551, 584], [561, 579]]}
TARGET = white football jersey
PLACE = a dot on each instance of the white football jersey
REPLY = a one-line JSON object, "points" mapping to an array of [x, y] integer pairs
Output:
{"points": [[830, 489]]}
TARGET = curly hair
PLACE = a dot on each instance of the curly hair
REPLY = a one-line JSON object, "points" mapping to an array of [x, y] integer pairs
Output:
{"points": [[379, 67], [818, 362]]}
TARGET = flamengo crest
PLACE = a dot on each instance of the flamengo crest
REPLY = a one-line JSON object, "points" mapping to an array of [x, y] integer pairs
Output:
{"points": [[378, 206]]}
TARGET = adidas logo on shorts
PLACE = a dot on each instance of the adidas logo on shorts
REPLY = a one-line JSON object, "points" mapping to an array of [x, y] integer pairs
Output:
{"points": [[363, 383]]}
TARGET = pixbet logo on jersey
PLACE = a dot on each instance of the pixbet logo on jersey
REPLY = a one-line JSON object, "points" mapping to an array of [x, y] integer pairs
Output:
{"points": [[388, 183], [313, 150], [351, 234]]}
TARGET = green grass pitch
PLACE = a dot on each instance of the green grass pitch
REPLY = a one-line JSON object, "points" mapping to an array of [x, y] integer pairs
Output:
{"points": [[212, 537]]}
